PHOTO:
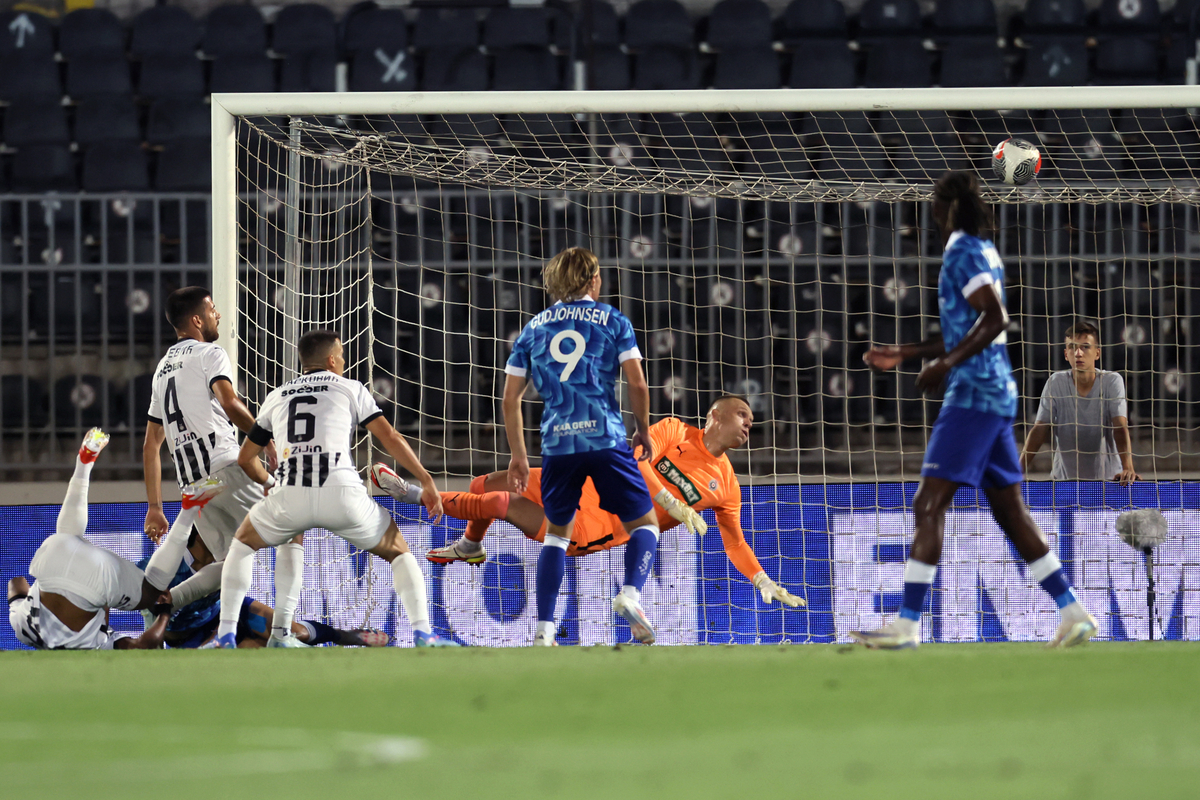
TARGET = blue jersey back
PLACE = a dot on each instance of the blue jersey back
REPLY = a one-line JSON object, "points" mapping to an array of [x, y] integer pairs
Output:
{"points": [[983, 382], [193, 615], [572, 354]]}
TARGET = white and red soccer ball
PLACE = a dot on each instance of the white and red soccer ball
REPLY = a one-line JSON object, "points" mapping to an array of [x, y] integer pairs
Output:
{"points": [[1016, 161]]}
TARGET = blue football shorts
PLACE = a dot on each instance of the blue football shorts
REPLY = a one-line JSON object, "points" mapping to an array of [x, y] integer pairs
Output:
{"points": [[973, 448], [614, 473]]}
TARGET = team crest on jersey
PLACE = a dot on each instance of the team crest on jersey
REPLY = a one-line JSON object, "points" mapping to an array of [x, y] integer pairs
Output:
{"points": [[691, 495], [287, 451], [712, 485]]}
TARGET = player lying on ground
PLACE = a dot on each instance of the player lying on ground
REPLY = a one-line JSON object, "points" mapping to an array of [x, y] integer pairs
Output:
{"points": [[195, 624], [312, 420], [76, 582], [698, 475], [972, 441], [195, 409], [573, 353]]}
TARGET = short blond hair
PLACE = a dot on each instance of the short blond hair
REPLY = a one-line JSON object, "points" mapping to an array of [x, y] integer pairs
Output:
{"points": [[567, 275]]}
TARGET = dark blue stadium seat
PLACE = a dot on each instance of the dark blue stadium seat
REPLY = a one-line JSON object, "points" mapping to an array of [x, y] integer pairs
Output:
{"points": [[898, 63], [1159, 142], [164, 30], [382, 70], [174, 118], [304, 28], [1127, 60], [658, 22], [739, 24], [242, 72], [374, 28], [314, 71], [608, 69], [455, 70], [822, 64], [445, 28], [922, 144], [1181, 29], [25, 402], [1051, 17], [955, 20], [847, 146], [973, 63], [664, 67], [29, 77], [812, 19], [43, 168], [88, 76], [115, 167], [1128, 16], [881, 19], [25, 35], [102, 119], [79, 401], [170, 75], [747, 68], [1081, 144], [31, 122], [506, 27], [234, 28], [526, 69], [601, 19], [184, 165], [1055, 61], [91, 32]]}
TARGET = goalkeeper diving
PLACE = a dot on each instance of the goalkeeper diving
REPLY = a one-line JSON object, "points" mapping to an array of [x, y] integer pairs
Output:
{"points": [[690, 472]]}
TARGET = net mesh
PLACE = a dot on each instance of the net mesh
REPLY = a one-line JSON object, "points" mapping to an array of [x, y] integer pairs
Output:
{"points": [[758, 254]]}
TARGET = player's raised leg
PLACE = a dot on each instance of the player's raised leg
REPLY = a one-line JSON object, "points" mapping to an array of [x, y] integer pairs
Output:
{"points": [[73, 514]]}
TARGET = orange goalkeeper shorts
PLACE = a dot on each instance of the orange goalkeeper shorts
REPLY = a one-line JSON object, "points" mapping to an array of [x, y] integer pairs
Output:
{"points": [[595, 529]]}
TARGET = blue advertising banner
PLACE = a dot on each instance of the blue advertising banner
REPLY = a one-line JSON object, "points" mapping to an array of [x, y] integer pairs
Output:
{"points": [[842, 547]]}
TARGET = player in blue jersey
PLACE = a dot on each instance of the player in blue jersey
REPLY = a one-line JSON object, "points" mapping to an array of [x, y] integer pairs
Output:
{"points": [[972, 441], [573, 353]]}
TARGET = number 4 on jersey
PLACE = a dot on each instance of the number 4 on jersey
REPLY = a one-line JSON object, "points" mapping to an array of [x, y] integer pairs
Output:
{"points": [[171, 407]]}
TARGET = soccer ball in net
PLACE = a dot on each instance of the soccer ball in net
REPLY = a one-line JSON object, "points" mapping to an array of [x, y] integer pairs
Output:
{"points": [[1016, 161]]}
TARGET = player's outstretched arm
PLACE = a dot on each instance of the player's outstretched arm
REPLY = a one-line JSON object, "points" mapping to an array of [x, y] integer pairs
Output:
{"points": [[398, 448], [1033, 442], [639, 405], [990, 324], [889, 356], [239, 414], [514, 429], [156, 520], [151, 638]]}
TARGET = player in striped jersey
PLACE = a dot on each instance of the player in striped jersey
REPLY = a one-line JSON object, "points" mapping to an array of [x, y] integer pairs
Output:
{"points": [[312, 420], [194, 408]]}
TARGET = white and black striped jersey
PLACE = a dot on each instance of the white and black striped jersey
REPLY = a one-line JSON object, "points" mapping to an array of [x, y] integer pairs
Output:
{"points": [[199, 433], [312, 419]]}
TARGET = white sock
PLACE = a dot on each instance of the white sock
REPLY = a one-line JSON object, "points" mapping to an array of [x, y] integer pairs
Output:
{"points": [[906, 626], [410, 589], [166, 559], [632, 592], [467, 546], [289, 580], [235, 582], [202, 584], [73, 515], [547, 630]]}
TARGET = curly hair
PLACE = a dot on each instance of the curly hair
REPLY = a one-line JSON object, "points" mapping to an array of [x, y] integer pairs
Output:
{"points": [[966, 211], [567, 275]]}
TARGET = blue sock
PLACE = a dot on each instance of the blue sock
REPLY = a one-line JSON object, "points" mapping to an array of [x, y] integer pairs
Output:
{"points": [[319, 632], [551, 566], [918, 577], [1049, 573], [639, 555]]}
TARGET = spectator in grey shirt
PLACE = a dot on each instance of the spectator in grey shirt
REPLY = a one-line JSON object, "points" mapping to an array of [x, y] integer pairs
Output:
{"points": [[1085, 409]]}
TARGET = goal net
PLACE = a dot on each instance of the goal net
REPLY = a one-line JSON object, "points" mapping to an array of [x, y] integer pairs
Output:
{"points": [[760, 242]]}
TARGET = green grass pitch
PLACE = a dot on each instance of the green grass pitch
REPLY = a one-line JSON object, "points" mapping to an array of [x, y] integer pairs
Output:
{"points": [[818, 721]]}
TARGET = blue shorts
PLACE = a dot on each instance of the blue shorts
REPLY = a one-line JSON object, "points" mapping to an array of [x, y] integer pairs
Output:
{"points": [[615, 474], [974, 448], [194, 637]]}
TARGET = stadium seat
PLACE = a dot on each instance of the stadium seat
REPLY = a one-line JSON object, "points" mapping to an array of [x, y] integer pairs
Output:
{"points": [[115, 167], [898, 63], [93, 32], [1159, 142], [234, 28], [884, 19], [184, 165], [1124, 17], [174, 118], [1051, 17], [170, 75], [164, 30], [526, 69], [25, 35], [665, 67], [747, 68], [445, 29], [89, 76], [313, 71], [103, 119], [608, 69], [1055, 61], [32, 122], [959, 20], [455, 70], [658, 22], [848, 147], [1126, 60], [973, 63], [43, 168], [604, 24], [242, 72], [79, 401], [382, 70], [23, 396], [804, 20], [183, 225], [304, 28], [738, 25], [34, 76], [822, 64], [369, 27], [922, 144], [506, 27], [1180, 32]]}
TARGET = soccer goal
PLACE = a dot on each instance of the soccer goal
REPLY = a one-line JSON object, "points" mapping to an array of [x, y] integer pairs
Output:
{"points": [[760, 241]]}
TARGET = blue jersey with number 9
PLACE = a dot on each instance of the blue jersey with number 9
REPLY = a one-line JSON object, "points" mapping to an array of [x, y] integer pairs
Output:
{"points": [[572, 354]]}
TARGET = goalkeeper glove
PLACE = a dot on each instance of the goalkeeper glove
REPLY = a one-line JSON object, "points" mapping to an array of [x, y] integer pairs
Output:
{"points": [[773, 591], [685, 514]]}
